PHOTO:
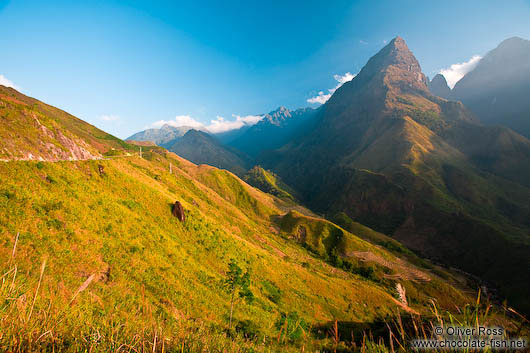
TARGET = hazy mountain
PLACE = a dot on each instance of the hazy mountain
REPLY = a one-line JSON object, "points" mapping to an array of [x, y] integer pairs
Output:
{"points": [[274, 130], [390, 155], [497, 89], [165, 136], [202, 148], [438, 86]]}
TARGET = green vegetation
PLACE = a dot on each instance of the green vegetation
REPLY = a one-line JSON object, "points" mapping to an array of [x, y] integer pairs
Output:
{"points": [[268, 182], [121, 270], [237, 284]]}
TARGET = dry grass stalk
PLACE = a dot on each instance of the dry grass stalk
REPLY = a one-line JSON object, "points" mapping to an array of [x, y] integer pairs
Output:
{"points": [[42, 267], [15, 246]]}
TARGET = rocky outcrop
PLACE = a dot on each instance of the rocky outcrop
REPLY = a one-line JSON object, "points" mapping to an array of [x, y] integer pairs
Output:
{"points": [[178, 211]]}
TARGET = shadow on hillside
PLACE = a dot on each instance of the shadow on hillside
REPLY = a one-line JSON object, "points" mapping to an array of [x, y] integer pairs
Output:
{"points": [[353, 332]]}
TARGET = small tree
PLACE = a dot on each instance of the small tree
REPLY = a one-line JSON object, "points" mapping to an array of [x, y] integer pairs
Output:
{"points": [[237, 284]]}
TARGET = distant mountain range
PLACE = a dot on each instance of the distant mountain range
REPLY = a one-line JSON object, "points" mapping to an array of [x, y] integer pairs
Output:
{"points": [[164, 136], [202, 148], [274, 130]]}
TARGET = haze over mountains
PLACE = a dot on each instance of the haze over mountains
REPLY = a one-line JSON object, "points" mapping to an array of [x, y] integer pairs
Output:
{"points": [[497, 89]]}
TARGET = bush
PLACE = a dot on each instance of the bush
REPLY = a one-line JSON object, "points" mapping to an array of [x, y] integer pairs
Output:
{"points": [[292, 327], [248, 329]]}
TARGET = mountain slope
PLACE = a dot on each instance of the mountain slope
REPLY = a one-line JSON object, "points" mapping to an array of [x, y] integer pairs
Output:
{"points": [[268, 182], [438, 87], [396, 158], [32, 130], [274, 130], [497, 89], [165, 136], [202, 148]]}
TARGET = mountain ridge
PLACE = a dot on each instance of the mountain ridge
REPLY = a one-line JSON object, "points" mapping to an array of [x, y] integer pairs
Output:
{"points": [[393, 156], [202, 148], [496, 88]]}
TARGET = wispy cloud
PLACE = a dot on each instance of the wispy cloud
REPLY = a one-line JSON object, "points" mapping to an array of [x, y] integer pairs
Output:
{"points": [[5, 82], [322, 97], [217, 125], [363, 42], [455, 72], [109, 118]]}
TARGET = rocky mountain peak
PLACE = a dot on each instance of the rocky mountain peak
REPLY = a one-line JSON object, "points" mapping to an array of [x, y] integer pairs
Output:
{"points": [[277, 116]]}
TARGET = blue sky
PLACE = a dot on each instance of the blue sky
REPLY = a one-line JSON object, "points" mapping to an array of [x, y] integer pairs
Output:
{"points": [[123, 66]]}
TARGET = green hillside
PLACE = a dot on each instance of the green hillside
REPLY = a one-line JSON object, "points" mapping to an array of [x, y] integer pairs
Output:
{"points": [[268, 182], [151, 276]]}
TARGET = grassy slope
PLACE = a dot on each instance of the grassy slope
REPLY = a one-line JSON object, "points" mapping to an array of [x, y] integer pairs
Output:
{"points": [[28, 126], [268, 182], [154, 274]]}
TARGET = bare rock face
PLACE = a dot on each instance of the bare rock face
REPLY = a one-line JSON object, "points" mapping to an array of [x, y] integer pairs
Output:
{"points": [[178, 211]]}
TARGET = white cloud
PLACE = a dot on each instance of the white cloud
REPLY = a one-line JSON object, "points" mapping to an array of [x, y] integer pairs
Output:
{"points": [[322, 97], [456, 71], [180, 120], [363, 42], [109, 118], [217, 125], [5, 82], [344, 78]]}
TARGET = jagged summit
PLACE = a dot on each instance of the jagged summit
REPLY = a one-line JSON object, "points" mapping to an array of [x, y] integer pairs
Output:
{"points": [[379, 87], [397, 54], [277, 116]]}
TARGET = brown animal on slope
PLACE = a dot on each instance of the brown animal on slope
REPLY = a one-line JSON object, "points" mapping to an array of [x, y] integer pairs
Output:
{"points": [[178, 211]]}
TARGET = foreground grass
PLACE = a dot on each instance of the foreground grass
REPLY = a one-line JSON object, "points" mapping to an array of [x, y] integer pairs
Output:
{"points": [[93, 261]]}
